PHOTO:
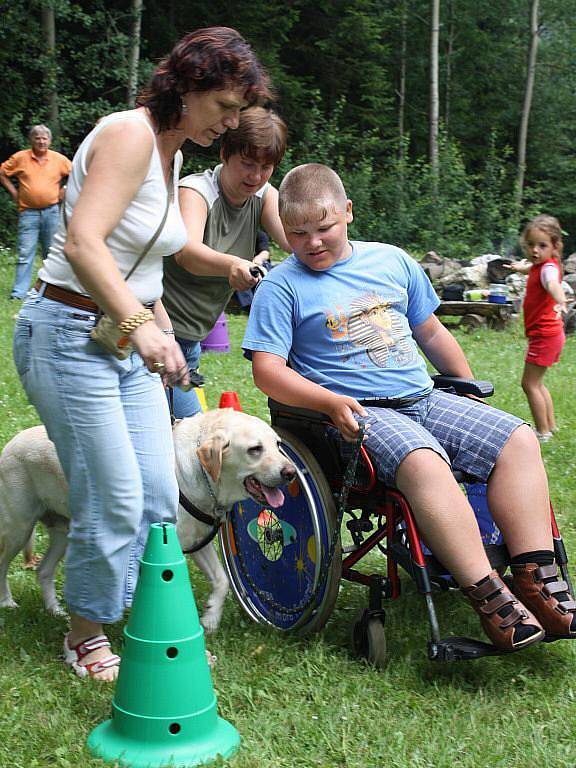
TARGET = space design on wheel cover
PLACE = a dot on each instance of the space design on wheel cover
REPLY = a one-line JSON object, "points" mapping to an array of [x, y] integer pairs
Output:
{"points": [[274, 556]]}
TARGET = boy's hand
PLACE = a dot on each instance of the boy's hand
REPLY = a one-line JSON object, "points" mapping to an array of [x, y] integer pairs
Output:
{"points": [[341, 411]]}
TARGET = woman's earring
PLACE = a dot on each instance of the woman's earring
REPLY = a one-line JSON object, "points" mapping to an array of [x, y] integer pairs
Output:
{"points": [[184, 106]]}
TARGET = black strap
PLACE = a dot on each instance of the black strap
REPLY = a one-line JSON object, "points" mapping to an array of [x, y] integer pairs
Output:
{"points": [[154, 237], [390, 402], [193, 510], [202, 543], [170, 391]]}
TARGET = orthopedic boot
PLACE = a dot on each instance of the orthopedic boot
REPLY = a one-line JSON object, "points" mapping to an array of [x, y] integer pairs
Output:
{"points": [[537, 583], [507, 622]]}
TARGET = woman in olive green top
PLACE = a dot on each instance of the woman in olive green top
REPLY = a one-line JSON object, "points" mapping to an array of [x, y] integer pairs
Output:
{"points": [[223, 209]]}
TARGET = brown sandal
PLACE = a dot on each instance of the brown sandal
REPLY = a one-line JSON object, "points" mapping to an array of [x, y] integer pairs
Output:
{"points": [[488, 599], [549, 598]]}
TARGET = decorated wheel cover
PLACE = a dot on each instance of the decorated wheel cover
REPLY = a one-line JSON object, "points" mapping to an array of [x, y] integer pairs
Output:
{"points": [[277, 558]]}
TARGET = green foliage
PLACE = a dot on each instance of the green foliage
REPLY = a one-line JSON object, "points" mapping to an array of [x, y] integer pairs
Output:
{"points": [[19, 71], [8, 220], [336, 66], [494, 199], [395, 203], [92, 70], [307, 702]]}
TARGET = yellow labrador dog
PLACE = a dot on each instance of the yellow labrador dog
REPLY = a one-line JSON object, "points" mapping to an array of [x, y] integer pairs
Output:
{"points": [[222, 456]]}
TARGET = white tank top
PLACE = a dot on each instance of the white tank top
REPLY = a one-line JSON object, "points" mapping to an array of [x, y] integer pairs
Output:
{"points": [[137, 226]]}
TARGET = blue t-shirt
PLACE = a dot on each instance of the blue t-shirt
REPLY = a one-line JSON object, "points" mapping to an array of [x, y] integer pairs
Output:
{"points": [[347, 328]]}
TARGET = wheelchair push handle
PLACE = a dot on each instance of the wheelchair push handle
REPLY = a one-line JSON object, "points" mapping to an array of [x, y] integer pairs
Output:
{"points": [[258, 271], [463, 386]]}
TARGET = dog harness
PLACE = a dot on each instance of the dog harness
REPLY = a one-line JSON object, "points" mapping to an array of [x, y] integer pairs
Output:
{"points": [[193, 510]]}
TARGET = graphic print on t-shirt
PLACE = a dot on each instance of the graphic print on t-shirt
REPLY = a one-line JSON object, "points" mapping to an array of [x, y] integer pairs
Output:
{"points": [[373, 325]]}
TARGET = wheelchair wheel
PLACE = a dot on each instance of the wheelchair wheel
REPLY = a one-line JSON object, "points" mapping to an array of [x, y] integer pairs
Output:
{"points": [[285, 564], [369, 638]]}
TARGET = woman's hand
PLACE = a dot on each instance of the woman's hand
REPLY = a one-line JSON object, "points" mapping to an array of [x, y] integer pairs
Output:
{"points": [[239, 275], [161, 354], [341, 410]]}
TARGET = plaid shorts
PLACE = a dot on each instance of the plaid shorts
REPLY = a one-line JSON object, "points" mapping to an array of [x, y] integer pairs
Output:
{"points": [[467, 434]]}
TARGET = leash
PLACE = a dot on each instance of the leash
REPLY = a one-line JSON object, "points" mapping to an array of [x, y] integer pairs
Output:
{"points": [[215, 520], [185, 502]]}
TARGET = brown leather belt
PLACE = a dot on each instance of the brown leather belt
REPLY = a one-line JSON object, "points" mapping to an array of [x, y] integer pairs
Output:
{"points": [[71, 298]]}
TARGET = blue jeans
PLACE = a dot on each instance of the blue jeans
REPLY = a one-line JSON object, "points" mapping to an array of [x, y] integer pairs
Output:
{"points": [[187, 403], [33, 225], [109, 421]]}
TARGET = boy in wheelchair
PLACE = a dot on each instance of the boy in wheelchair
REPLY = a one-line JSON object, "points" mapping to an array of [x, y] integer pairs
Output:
{"points": [[336, 329]]}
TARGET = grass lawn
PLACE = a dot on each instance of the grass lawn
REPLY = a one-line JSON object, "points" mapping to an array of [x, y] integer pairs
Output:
{"points": [[300, 703]]}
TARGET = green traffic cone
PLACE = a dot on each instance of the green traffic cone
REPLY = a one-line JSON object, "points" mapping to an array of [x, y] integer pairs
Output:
{"points": [[164, 712]]}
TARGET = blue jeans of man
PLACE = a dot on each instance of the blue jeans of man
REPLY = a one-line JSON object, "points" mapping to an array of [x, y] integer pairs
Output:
{"points": [[187, 403], [34, 224], [110, 424]]}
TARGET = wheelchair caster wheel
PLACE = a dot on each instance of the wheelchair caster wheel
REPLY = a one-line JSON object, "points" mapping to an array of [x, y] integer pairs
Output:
{"points": [[369, 637]]}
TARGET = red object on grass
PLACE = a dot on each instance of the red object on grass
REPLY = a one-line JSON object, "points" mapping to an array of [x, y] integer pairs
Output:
{"points": [[230, 400]]}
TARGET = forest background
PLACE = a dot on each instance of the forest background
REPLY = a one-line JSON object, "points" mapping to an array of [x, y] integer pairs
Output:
{"points": [[451, 121]]}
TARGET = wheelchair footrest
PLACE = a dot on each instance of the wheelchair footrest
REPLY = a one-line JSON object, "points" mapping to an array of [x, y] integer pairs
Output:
{"points": [[460, 649]]}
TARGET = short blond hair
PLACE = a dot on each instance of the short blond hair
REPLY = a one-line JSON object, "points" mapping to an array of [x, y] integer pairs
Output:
{"points": [[310, 192]]}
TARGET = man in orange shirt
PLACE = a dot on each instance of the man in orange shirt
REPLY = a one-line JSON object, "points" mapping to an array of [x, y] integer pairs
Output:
{"points": [[39, 172]]}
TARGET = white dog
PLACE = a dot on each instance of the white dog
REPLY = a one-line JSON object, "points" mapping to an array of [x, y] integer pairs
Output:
{"points": [[222, 456]]}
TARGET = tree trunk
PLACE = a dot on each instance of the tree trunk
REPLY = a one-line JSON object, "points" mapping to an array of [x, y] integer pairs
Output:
{"points": [[449, 52], [402, 84], [51, 72], [132, 88], [530, 76], [434, 100]]}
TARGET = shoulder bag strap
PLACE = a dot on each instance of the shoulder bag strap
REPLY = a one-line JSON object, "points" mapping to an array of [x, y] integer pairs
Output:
{"points": [[154, 237]]}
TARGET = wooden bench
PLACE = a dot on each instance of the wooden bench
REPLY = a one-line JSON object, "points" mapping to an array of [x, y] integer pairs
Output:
{"points": [[475, 314]]}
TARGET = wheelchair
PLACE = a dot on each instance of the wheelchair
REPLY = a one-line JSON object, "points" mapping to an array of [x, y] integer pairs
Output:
{"points": [[285, 565]]}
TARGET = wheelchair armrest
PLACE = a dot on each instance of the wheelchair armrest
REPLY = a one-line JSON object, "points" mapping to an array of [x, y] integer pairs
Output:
{"points": [[463, 386], [293, 412]]}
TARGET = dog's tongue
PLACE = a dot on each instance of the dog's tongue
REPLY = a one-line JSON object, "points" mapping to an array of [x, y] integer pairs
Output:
{"points": [[274, 496]]}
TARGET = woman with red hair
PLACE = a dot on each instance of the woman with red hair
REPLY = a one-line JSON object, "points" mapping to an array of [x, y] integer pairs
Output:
{"points": [[101, 395]]}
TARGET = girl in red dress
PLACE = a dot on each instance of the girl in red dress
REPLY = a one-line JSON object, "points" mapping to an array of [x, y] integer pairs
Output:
{"points": [[544, 307]]}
